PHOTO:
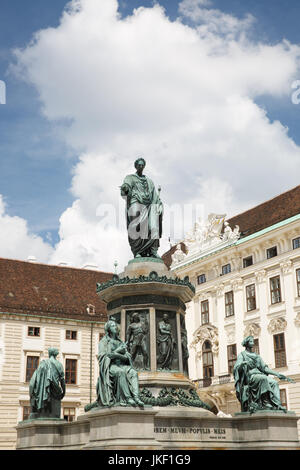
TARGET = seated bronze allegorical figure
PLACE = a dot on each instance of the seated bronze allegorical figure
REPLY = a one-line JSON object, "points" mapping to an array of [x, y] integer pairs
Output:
{"points": [[255, 389], [118, 382]]}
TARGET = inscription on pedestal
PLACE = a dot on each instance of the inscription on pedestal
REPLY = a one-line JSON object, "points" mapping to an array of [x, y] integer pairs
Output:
{"points": [[188, 431]]}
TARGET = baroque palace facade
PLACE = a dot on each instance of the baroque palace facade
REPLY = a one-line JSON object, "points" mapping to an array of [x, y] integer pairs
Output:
{"points": [[247, 277], [44, 306]]}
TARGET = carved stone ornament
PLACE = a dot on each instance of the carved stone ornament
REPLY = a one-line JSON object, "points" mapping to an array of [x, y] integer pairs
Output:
{"points": [[178, 255], [206, 235], [204, 333], [237, 284], [297, 320], [286, 266], [252, 329], [261, 275], [230, 332], [220, 289], [277, 325]]}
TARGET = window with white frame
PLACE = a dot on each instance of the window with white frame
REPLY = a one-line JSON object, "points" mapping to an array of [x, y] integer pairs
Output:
{"points": [[275, 290], [272, 252], [250, 297], [229, 305], [298, 281], [296, 243], [32, 363]]}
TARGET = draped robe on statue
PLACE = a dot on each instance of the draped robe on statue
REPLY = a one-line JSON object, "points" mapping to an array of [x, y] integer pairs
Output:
{"points": [[255, 389], [117, 381], [45, 388], [144, 222]]}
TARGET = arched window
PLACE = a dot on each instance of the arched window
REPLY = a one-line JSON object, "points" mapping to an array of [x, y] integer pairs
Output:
{"points": [[207, 360]]}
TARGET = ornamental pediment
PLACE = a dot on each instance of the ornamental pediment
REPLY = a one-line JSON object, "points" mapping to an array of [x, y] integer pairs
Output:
{"points": [[202, 334], [205, 237]]}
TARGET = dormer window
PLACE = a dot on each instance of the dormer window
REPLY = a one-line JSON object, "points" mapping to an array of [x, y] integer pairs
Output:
{"points": [[91, 309]]}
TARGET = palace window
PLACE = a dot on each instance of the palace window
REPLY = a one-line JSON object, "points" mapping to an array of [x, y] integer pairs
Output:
{"points": [[298, 281], [204, 312], [275, 290], [226, 269], [271, 252], [279, 350], [201, 279], [207, 360], [71, 334], [34, 331], [256, 346], [296, 243], [229, 306], [69, 414], [283, 397], [247, 261], [231, 357], [26, 412], [251, 298], [71, 371], [32, 363]]}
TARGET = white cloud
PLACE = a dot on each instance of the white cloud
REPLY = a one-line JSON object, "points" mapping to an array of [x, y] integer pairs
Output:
{"points": [[214, 21], [17, 242], [181, 96]]}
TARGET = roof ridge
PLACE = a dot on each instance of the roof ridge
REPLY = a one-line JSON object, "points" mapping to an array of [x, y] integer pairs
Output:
{"points": [[36, 263]]}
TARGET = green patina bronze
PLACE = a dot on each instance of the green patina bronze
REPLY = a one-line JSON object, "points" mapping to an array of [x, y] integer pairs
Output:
{"points": [[153, 277], [145, 299], [47, 388], [136, 338], [173, 397], [255, 389], [166, 343], [118, 382], [144, 211]]}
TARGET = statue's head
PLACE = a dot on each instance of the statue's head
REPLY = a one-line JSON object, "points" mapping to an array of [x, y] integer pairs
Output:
{"points": [[53, 352], [165, 317], [140, 164], [248, 341], [111, 327], [135, 317]]}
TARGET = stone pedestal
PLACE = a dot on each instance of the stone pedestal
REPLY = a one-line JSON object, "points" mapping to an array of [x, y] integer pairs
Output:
{"points": [[170, 428]]}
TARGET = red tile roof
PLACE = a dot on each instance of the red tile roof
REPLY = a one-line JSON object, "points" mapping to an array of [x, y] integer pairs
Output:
{"points": [[264, 215], [47, 290], [268, 213]]}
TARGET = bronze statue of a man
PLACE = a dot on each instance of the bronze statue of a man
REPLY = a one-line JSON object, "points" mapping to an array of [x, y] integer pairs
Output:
{"points": [[136, 338], [47, 388], [144, 212]]}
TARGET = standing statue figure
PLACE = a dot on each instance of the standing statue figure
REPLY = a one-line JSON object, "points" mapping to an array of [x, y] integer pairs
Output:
{"points": [[136, 336], [144, 212], [255, 389], [166, 343], [47, 388], [118, 382]]}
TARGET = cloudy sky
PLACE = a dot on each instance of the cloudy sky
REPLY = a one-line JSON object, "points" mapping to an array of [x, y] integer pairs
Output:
{"points": [[201, 88]]}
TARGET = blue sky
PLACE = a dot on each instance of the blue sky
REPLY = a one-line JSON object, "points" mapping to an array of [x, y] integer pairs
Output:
{"points": [[36, 165]]}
